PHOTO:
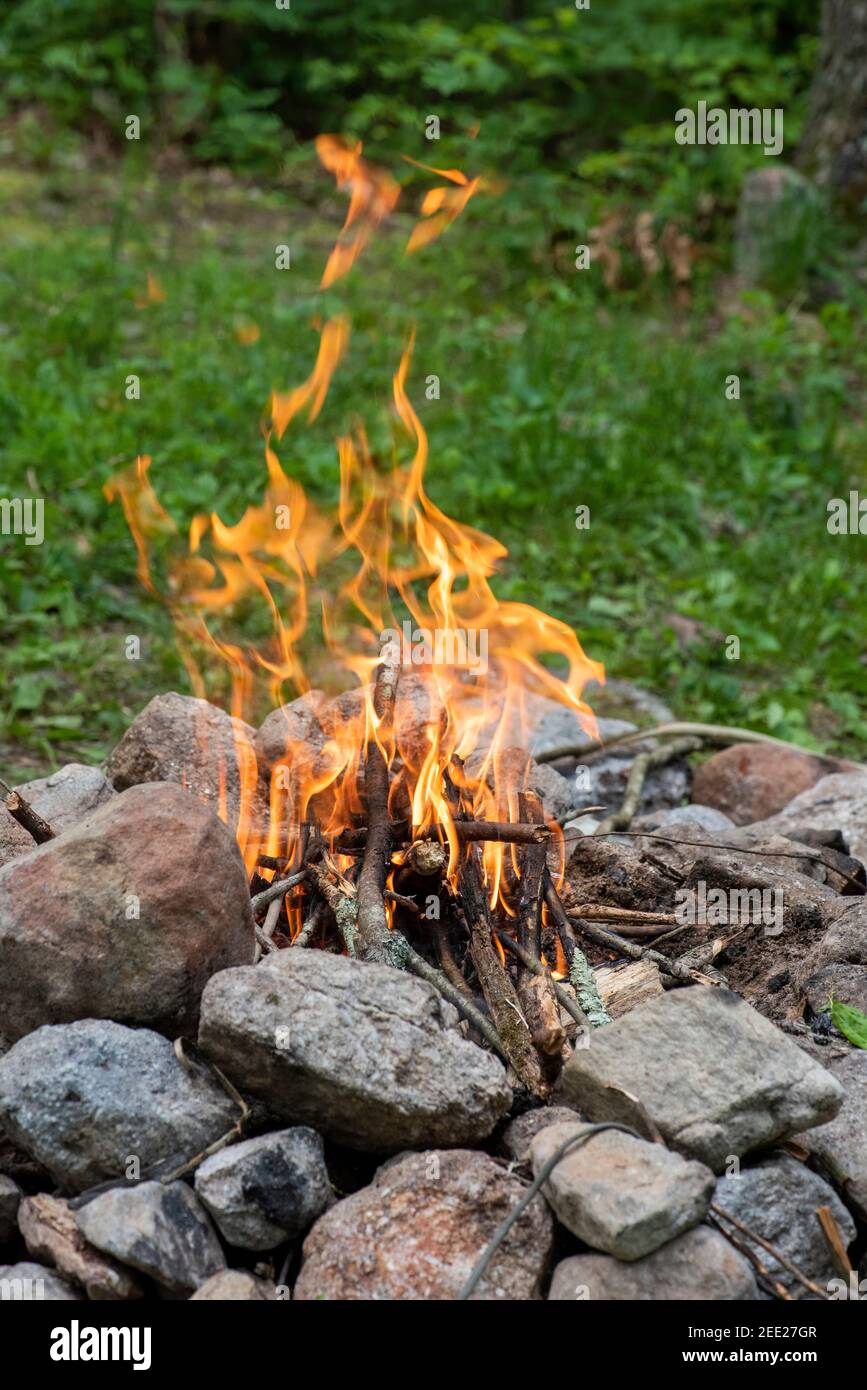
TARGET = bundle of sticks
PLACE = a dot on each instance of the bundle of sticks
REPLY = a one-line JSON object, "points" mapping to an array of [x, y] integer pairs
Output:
{"points": [[395, 906]]}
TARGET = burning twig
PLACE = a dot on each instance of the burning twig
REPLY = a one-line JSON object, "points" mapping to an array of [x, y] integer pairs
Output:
{"points": [[21, 811], [376, 941], [467, 831], [278, 889], [499, 992], [535, 993], [563, 997]]}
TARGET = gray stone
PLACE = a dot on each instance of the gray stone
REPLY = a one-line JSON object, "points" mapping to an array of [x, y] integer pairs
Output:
{"points": [[714, 1076], [125, 916], [845, 984], [778, 1199], [700, 817], [777, 229], [84, 1097], [51, 1233], [10, 1198], [368, 1055], [159, 1229], [838, 802], [14, 839], [68, 795], [419, 1229], [839, 1148], [616, 699], [517, 769], [520, 1132], [619, 1194], [664, 787], [235, 1285], [699, 1265], [266, 1190], [177, 738], [845, 940], [35, 1283]]}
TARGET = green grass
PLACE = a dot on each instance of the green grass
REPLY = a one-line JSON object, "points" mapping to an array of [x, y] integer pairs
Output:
{"points": [[555, 393]]}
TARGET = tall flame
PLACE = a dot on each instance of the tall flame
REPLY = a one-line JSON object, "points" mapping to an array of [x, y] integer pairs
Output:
{"points": [[386, 566]]}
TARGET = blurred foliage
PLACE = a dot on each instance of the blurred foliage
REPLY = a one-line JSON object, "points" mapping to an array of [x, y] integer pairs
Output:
{"points": [[559, 388]]}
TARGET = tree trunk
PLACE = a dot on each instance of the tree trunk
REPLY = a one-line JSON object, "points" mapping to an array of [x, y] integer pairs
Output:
{"points": [[834, 146]]}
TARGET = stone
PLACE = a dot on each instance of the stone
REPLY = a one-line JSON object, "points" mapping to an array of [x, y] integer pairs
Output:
{"points": [[236, 1285], [777, 230], [83, 1098], [620, 1194], [847, 984], [844, 941], [51, 1234], [68, 795], [616, 699], [751, 781], [700, 1265], [520, 1132], [32, 1282], [10, 1198], [837, 802], [126, 916], [159, 1229], [696, 816], [715, 1077], [178, 738], [267, 1190], [515, 769], [418, 1230], [778, 1199], [370, 1056], [290, 732], [14, 839], [839, 1148]]}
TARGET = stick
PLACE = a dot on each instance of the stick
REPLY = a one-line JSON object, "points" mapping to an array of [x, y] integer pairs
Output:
{"points": [[780, 1258], [762, 1272], [376, 942], [834, 1237], [499, 992], [536, 966], [278, 889], [29, 820], [535, 993], [580, 974], [656, 757], [722, 734], [468, 831]]}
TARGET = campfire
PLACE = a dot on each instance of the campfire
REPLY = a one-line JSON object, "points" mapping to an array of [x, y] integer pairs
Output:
{"points": [[397, 822]]}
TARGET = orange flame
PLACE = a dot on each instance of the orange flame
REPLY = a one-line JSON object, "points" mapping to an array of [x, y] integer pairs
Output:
{"points": [[388, 568]]}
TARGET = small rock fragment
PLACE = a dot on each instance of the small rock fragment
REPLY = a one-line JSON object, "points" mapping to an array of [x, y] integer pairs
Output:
{"points": [[159, 1229], [266, 1190]]}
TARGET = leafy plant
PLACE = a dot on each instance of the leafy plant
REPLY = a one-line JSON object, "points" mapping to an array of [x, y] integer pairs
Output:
{"points": [[850, 1022]]}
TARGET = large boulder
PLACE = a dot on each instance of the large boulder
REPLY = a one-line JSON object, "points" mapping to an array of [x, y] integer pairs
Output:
{"points": [[837, 802], [369, 1056], [751, 781], [125, 916], [177, 738], [620, 1194], [714, 1076], [699, 1265], [87, 1098], [419, 1229], [68, 795]]}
